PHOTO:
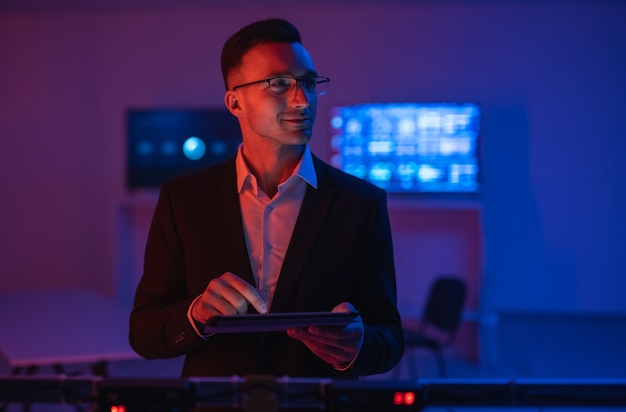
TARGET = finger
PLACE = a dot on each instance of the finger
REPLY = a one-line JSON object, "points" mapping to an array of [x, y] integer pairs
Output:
{"points": [[248, 292], [210, 305], [329, 352], [326, 336], [255, 299], [344, 307], [221, 297], [236, 303]]}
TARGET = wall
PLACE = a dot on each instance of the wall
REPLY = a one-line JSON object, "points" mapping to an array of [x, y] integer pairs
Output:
{"points": [[549, 76]]}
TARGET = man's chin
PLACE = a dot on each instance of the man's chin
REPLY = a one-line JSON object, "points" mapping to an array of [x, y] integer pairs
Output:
{"points": [[300, 138]]}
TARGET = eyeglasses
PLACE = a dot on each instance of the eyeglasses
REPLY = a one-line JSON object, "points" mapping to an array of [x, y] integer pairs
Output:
{"points": [[279, 85]]}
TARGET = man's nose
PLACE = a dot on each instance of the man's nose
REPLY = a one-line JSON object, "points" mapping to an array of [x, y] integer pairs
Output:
{"points": [[300, 96]]}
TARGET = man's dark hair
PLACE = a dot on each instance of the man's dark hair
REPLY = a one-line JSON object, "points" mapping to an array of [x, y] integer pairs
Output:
{"points": [[263, 31]]}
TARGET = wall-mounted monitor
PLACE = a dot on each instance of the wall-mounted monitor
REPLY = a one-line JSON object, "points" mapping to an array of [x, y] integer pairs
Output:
{"points": [[409, 147], [164, 143]]}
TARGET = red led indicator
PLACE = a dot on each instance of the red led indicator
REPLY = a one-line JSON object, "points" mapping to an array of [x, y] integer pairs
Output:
{"points": [[404, 398], [409, 398], [118, 408]]}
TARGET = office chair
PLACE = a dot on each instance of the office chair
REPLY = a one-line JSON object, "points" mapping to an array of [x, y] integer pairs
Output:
{"points": [[437, 329]]}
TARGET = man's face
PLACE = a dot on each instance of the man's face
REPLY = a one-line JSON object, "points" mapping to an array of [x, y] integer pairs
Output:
{"points": [[286, 119]]}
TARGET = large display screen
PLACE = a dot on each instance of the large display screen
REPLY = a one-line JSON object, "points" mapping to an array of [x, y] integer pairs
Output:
{"points": [[409, 147]]}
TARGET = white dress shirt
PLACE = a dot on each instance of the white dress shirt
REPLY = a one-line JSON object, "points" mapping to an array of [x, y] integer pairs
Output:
{"points": [[269, 223]]}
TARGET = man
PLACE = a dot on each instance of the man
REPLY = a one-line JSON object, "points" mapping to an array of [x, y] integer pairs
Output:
{"points": [[273, 230]]}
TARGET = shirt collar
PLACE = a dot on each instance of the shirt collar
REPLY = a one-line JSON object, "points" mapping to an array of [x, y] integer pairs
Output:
{"points": [[304, 169]]}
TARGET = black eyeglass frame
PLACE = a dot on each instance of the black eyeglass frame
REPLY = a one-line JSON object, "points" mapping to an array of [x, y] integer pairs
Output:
{"points": [[319, 79]]}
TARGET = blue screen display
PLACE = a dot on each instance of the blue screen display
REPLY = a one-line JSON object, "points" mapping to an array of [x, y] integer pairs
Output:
{"points": [[409, 147], [165, 143]]}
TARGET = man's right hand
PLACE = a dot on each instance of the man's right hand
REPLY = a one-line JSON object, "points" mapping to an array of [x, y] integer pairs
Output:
{"points": [[227, 295]]}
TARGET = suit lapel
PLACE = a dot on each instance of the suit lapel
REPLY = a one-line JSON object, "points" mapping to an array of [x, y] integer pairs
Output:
{"points": [[314, 208], [226, 228]]}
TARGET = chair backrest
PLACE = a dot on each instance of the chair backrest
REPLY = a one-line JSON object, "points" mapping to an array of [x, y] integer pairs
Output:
{"points": [[445, 303]]}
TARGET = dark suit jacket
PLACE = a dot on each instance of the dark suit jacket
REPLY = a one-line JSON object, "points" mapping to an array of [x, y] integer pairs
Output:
{"points": [[341, 250]]}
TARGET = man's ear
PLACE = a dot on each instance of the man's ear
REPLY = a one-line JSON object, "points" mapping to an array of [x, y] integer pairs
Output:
{"points": [[233, 104]]}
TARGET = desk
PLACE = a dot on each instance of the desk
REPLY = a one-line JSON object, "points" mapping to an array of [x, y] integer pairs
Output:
{"points": [[56, 328]]}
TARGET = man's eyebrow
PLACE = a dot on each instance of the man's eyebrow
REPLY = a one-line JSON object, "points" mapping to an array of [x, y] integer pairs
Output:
{"points": [[308, 73]]}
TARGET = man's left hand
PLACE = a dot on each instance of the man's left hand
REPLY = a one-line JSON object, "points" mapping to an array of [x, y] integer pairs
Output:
{"points": [[337, 346]]}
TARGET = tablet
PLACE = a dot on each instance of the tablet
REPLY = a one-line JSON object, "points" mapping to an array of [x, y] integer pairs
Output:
{"points": [[275, 322]]}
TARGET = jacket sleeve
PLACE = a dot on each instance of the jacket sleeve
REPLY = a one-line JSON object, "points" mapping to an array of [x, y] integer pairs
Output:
{"points": [[376, 296], [159, 327]]}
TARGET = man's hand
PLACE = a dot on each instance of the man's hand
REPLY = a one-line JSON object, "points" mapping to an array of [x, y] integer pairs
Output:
{"points": [[227, 295], [337, 346]]}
